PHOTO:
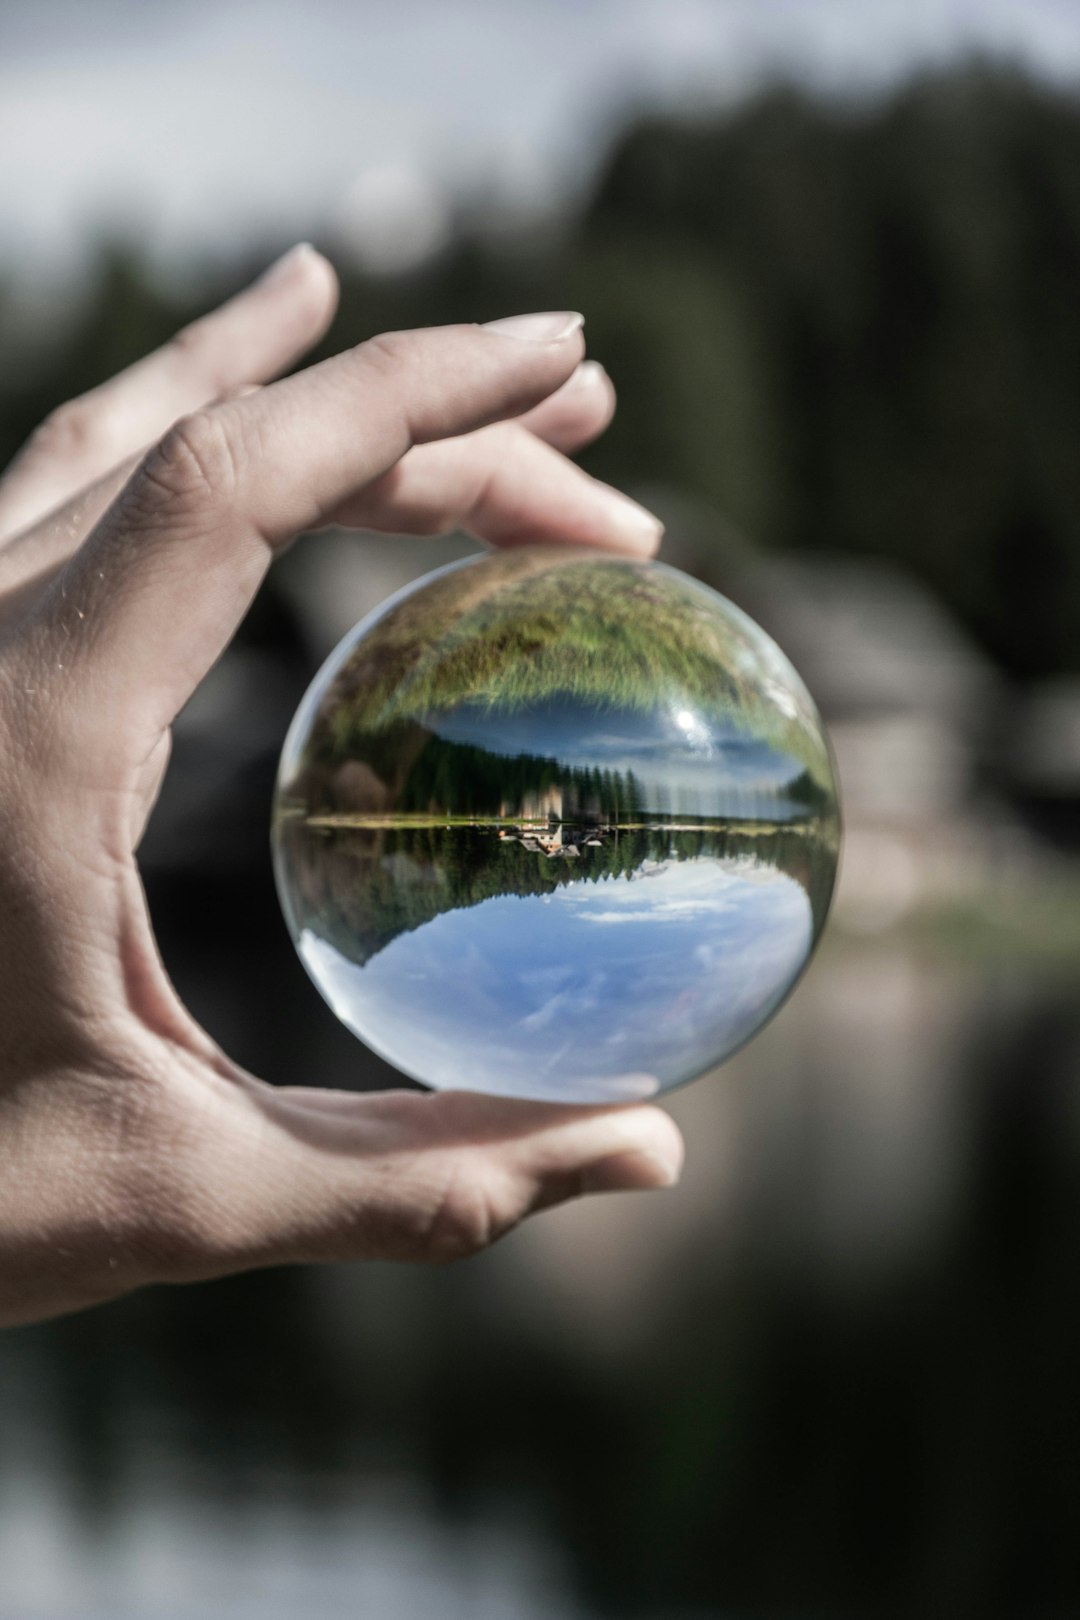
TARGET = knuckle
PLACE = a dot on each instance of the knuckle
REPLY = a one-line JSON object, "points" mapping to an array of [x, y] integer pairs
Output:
{"points": [[69, 432], [464, 1219], [196, 463], [388, 353], [418, 393], [190, 342], [193, 352]]}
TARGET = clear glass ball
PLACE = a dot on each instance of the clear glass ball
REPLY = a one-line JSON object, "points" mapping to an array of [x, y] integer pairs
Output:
{"points": [[556, 824]]}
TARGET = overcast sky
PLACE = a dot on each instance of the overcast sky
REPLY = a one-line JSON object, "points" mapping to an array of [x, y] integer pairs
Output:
{"points": [[204, 126]]}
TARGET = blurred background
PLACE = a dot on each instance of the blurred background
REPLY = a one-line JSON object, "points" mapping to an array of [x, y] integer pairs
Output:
{"points": [[830, 253]]}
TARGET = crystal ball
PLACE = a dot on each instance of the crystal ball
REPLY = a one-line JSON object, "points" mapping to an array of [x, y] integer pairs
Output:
{"points": [[556, 824]]}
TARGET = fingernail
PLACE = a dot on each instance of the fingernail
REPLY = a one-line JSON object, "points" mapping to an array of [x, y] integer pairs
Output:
{"points": [[630, 1172], [282, 268], [551, 327], [589, 374], [638, 526]]}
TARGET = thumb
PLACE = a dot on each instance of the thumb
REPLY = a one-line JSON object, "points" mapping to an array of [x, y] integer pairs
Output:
{"points": [[326, 1176]]}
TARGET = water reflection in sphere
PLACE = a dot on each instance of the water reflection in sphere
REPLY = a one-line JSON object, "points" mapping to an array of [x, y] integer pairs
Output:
{"points": [[556, 824]]}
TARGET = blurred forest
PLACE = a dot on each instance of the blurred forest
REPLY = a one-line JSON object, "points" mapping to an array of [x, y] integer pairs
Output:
{"points": [[854, 328], [837, 1374]]}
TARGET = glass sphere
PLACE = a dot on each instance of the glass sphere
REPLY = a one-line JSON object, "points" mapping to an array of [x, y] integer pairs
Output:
{"points": [[556, 824]]}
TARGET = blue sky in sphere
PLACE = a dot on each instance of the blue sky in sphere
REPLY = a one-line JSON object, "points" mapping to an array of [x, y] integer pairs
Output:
{"points": [[598, 991], [683, 760]]}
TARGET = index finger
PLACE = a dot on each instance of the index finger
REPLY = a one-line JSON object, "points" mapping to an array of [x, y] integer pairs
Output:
{"points": [[149, 602]]}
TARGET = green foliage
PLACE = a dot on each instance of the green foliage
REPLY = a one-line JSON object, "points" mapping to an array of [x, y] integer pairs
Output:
{"points": [[910, 274], [475, 782], [526, 628]]}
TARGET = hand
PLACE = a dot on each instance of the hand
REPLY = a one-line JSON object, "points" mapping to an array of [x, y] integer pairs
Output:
{"points": [[131, 1149]]}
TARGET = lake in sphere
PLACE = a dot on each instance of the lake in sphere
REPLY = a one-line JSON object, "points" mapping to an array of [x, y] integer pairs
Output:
{"points": [[556, 824]]}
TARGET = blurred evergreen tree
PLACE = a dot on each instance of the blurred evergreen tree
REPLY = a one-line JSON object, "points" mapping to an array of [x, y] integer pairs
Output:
{"points": [[843, 327]]}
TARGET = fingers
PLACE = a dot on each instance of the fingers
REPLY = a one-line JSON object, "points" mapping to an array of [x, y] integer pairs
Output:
{"points": [[504, 485], [153, 596], [578, 412], [399, 1176], [30, 558], [572, 417], [439, 489], [251, 338]]}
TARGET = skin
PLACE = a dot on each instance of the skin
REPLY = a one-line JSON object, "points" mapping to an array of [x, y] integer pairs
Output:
{"points": [[135, 528]]}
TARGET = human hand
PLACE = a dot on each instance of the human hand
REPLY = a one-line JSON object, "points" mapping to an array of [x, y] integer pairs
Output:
{"points": [[132, 1150]]}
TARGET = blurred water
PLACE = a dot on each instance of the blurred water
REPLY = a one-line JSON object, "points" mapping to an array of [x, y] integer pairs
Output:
{"points": [[834, 1370], [833, 1373]]}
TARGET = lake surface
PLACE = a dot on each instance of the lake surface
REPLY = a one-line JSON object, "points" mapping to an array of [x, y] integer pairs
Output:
{"points": [[556, 824], [834, 1372], [585, 963]]}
